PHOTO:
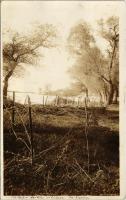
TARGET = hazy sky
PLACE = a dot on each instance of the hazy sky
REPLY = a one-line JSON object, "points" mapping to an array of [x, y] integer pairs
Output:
{"points": [[54, 65]]}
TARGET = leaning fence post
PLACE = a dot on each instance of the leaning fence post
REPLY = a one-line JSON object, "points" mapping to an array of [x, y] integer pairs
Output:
{"points": [[30, 126], [13, 109]]}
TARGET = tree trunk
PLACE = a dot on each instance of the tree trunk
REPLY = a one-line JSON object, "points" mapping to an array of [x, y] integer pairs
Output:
{"points": [[105, 96], [5, 88], [86, 91], [116, 93], [111, 94]]}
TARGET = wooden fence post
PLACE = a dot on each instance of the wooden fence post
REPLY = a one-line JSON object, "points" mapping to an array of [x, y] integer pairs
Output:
{"points": [[46, 100], [66, 101], [13, 109], [78, 102], [43, 100], [30, 127], [72, 101], [57, 100], [86, 133]]}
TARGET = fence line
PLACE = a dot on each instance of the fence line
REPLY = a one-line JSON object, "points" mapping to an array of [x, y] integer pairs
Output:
{"points": [[57, 100], [27, 132]]}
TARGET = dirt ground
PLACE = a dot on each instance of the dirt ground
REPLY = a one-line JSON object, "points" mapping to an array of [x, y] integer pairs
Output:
{"points": [[71, 156]]}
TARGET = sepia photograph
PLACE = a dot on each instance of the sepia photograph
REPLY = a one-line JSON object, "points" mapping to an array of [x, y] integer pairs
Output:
{"points": [[61, 98]]}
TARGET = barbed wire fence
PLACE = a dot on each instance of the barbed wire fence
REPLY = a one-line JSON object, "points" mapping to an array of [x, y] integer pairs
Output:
{"points": [[56, 100], [13, 110]]}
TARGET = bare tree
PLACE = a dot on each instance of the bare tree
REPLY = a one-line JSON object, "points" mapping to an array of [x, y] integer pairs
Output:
{"points": [[80, 39], [91, 64], [20, 49], [109, 30], [88, 57]]}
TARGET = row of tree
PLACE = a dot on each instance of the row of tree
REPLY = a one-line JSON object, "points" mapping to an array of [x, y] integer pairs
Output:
{"points": [[93, 71]]}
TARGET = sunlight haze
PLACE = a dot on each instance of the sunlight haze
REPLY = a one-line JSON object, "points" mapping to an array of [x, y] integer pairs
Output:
{"points": [[52, 68]]}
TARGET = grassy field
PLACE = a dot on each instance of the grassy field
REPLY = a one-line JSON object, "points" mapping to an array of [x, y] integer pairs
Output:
{"points": [[71, 157]]}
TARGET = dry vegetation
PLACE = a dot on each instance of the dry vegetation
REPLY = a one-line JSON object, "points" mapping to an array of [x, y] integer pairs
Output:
{"points": [[61, 165]]}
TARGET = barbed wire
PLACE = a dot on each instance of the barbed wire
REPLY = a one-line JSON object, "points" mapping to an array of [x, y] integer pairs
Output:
{"points": [[59, 99], [25, 129], [14, 132]]}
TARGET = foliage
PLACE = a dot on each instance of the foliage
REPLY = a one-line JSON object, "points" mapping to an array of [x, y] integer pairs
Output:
{"points": [[21, 49], [91, 62]]}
